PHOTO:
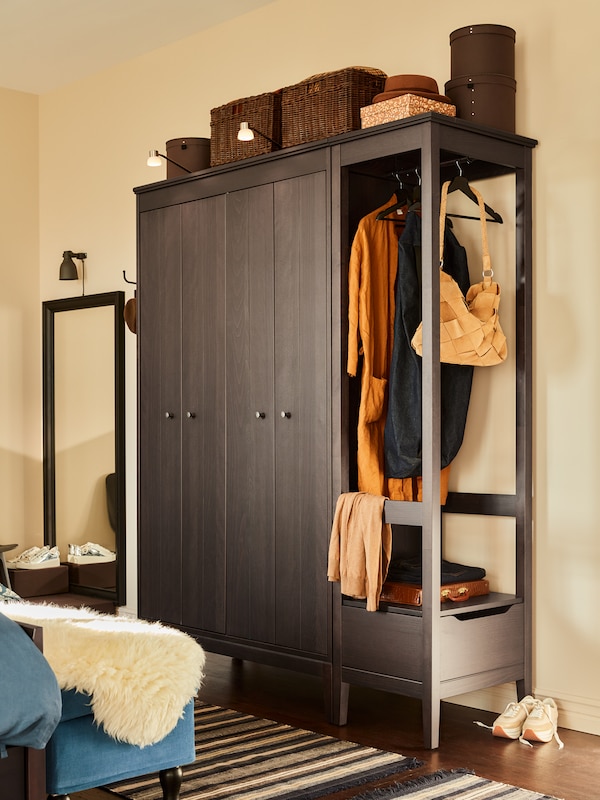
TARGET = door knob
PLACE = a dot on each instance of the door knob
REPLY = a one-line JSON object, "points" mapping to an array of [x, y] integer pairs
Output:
{"points": [[260, 415], [169, 414], [191, 414], [286, 414]]}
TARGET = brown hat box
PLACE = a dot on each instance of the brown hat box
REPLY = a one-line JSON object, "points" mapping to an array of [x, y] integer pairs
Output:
{"points": [[482, 50], [482, 83], [192, 153], [485, 99]]}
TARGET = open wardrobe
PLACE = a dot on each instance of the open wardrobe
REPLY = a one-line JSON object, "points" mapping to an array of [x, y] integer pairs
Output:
{"points": [[265, 395]]}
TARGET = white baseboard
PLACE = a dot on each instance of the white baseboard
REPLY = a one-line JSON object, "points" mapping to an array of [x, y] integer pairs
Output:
{"points": [[124, 611]]}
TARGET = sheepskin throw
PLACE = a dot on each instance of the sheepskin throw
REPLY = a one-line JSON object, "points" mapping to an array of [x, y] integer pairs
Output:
{"points": [[140, 675]]}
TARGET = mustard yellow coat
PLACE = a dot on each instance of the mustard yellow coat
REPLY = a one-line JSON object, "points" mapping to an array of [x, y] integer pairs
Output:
{"points": [[371, 308]]}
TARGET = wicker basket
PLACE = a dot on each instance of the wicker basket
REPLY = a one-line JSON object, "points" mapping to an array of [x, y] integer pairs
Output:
{"points": [[327, 104], [263, 112]]}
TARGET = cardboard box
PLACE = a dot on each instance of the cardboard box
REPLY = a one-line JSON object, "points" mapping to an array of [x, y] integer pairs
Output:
{"points": [[407, 105]]}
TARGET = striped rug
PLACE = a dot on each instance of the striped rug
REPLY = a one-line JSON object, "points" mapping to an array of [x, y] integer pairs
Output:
{"points": [[454, 785], [241, 757]]}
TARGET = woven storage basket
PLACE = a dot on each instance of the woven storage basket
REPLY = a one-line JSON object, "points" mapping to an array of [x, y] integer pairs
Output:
{"points": [[263, 112], [327, 104]]}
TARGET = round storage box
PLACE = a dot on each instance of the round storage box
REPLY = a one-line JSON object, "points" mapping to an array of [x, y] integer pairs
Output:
{"points": [[482, 50], [192, 153], [485, 99]]}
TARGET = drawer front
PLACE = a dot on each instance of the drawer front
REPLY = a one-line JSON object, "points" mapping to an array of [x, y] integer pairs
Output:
{"points": [[390, 644], [470, 645]]}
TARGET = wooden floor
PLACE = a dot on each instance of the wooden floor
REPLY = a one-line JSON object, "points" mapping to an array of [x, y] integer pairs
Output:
{"points": [[391, 722]]}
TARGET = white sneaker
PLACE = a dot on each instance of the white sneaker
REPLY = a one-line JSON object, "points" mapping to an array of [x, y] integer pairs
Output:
{"points": [[25, 555], [90, 553], [509, 724], [45, 557], [541, 724]]}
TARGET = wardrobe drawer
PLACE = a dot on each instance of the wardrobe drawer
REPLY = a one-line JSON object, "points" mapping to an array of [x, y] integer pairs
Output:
{"points": [[471, 644], [390, 644]]}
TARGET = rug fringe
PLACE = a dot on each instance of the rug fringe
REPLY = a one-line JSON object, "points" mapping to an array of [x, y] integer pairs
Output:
{"points": [[405, 787], [407, 765]]}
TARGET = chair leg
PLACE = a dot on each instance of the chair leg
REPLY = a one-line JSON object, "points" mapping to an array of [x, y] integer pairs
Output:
{"points": [[170, 780]]}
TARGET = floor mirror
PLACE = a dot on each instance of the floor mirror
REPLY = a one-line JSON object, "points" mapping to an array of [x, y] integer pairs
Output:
{"points": [[84, 438]]}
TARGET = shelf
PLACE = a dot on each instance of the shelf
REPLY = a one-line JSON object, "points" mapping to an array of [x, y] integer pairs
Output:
{"points": [[493, 602]]}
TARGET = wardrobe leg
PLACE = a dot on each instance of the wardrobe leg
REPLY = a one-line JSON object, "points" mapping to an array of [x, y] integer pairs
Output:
{"points": [[431, 723], [339, 702]]}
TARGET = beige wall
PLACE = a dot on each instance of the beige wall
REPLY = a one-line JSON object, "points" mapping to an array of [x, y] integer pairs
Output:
{"points": [[20, 322], [94, 136]]}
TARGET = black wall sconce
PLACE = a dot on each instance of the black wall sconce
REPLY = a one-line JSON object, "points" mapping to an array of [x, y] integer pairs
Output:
{"points": [[154, 158], [247, 131], [68, 268]]}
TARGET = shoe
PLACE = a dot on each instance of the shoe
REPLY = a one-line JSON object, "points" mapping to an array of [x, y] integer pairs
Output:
{"points": [[90, 553], [541, 724], [45, 557], [26, 555], [509, 724], [93, 549]]}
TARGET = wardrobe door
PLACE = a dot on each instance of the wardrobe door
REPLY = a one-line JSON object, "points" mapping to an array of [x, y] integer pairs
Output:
{"points": [[159, 453], [250, 415], [302, 425], [203, 414]]}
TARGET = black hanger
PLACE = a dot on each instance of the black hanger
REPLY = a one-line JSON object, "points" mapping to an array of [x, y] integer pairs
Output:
{"points": [[402, 199], [460, 183]]}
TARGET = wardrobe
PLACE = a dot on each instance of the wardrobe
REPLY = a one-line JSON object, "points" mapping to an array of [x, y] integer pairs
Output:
{"points": [[246, 417], [234, 428]]}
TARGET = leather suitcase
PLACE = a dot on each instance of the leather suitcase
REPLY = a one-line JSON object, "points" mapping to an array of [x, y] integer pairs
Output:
{"points": [[411, 595]]}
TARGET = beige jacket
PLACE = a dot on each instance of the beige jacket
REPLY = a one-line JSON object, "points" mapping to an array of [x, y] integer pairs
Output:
{"points": [[360, 547]]}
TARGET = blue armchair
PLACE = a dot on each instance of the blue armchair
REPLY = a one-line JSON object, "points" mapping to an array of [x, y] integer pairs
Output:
{"points": [[80, 755], [60, 725]]}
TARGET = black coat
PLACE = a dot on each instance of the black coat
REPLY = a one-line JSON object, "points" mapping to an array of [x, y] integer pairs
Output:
{"points": [[403, 428]]}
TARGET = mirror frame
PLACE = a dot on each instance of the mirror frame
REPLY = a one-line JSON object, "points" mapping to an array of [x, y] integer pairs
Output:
{"points": [[49, 310]]}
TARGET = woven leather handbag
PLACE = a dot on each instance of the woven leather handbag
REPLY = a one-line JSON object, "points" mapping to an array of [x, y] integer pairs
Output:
{"points": [[470, 331]]}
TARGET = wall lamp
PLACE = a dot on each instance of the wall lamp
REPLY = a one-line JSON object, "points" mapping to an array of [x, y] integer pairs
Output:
{"points": [[154, 160], [68, 268], [247, 131]]}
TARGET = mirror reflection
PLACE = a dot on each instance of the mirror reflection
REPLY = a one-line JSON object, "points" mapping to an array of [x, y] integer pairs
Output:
{"points": [[83, 440]]}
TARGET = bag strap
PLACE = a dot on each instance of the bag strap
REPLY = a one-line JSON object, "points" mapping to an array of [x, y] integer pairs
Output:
{"points": [[487, 272]]}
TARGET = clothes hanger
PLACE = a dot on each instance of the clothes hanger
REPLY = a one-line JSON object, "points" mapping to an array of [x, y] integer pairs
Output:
{"points": [[416, 197], [460, 183], [402, 200]]}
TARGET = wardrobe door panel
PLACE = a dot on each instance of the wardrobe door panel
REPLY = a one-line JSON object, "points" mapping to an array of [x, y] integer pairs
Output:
{"points": [[301, 406], [250, 421], [203, 414], [159, 342]]}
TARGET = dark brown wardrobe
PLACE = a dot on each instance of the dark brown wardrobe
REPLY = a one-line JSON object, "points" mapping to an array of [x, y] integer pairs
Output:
{"points": [[246, 417], [234, 426]]}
